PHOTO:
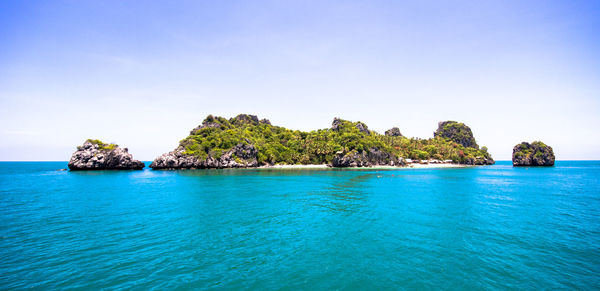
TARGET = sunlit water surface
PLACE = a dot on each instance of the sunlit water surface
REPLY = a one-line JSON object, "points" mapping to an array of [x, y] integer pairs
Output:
{"points": [[492, 227]]}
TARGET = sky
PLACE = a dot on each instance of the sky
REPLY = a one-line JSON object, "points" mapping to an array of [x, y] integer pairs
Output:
{"points": [[143, 74]]}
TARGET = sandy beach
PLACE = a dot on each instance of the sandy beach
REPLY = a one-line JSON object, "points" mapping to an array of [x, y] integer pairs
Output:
{"points": [[442, 165]]}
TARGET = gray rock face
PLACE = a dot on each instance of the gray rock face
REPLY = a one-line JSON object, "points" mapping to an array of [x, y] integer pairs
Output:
{"points": [[98, 156], [478, 161], [240, 156], [535, 154], [457, 132], [362, 127], [394, 131], [337, 125], [369, 158], [245, 118], [209, 122]]}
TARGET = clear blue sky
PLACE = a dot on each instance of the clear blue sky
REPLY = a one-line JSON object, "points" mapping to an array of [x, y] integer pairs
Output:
{"points": [[143, 74]]}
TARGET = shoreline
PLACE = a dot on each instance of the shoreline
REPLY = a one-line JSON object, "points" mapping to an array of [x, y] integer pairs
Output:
{"points": [[300, 167], [324, 166], [440, 165]]}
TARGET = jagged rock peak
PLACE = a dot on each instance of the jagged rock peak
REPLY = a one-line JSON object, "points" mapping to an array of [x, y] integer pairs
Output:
{"points": [[535, 154], [245, 118], [394, 131], [338, 124], [457, 132], [362, 127], [210, 121], [96, 155]]}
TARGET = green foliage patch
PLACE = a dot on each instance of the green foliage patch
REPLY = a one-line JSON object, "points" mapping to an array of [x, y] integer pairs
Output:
{"points": [[102, 145]]}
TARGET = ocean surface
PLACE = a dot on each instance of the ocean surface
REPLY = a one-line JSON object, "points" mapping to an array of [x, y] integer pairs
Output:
{"points": [[490, 227]]}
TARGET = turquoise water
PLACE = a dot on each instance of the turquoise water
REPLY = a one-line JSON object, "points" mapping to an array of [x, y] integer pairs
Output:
{"points": [[492, 227]]}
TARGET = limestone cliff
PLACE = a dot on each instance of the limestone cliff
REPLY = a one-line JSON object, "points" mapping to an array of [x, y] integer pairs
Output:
{"points": [[457, 132], [96, 155]]}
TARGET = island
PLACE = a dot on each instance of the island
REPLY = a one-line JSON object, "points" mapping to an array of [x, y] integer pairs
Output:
{"points": [[97, 155], [246, 141], [536, 153]]}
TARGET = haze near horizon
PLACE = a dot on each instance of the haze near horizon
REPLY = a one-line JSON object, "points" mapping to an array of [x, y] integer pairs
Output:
{"points": [[143, 74]]}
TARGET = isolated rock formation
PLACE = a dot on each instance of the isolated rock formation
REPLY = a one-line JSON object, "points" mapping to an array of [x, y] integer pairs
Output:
{"points": [[535, 154], [96, 155]]}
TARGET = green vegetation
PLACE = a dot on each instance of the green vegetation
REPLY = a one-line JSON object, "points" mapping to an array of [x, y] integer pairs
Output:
{"points": [[102, 145], [535, 154], [457, 132], [279, 145]]}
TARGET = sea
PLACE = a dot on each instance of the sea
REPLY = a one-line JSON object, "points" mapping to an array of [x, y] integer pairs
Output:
{"points": [[475, 228]]}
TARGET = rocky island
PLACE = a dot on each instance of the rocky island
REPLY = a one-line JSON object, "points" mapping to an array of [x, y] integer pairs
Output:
{"points": [[535, 154], [245, 141], [96, 155]]}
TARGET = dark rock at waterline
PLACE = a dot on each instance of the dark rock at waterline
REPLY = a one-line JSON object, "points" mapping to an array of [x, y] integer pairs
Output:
{"points": [[240, 156], [479, 161], [535, 154], [368, 158], [96, 155]]}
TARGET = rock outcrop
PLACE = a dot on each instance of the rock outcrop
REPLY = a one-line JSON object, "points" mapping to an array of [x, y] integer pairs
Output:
{"points": [[478, 161], [96, 155], [394, 131], [368, 158], [535, 154], [209, 122], [240, 156], [245, 119], [457, 132], [338, 123]]}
